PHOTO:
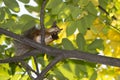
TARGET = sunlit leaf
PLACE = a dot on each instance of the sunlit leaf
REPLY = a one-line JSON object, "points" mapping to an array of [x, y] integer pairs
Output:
{"points": [[2, 39], [59, 75], [70, 70], [4, 75], [14, 6], [115, 25], [94, 76], [113, 35]]}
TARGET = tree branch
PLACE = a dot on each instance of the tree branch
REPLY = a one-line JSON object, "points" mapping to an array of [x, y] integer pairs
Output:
{"points": [[74, 54], [49, 66], [42, 32], [20, 58], [101, 8], [28, 69]]}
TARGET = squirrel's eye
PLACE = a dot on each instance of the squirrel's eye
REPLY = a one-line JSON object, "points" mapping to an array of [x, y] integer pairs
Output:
{"points": [[37, 34]]}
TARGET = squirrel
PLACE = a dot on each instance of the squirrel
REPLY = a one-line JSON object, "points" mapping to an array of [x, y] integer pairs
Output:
{"points": [[51, 34]]}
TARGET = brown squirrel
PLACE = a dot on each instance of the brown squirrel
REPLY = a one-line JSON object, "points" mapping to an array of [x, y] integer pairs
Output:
{"points": [[51, 34]]}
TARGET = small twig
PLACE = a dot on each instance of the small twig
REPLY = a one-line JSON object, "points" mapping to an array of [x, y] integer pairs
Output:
{"points": [[42, 32], [100, 7], [28, 69], [49, 66], [22, 75]]}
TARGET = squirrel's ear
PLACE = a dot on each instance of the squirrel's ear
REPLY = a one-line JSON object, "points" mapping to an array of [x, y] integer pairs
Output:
{"points": [[54, 24]]}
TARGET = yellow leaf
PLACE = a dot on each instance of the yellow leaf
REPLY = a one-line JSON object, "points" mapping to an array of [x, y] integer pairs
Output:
{"points": [[2, 39], [90, 35], [113, 35], [116, 49], [98, 26]]}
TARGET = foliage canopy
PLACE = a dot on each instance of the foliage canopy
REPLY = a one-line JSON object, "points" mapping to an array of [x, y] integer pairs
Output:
{"points": [[86, 27]]}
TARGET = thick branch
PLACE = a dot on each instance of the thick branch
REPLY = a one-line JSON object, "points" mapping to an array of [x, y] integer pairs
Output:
{"points": [[74, 54], [20, 58]]}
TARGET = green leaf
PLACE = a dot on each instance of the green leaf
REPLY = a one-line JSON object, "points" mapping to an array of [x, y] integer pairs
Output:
{"points": [[53, 3], [75, 11], [71, 28], [1, 2], [59, 75], [28, 25], [91, 9], [58, 9], [26, 18], [85, 23], [96, 44], [8, 24], [80, 69], [94, 76], [103, 3], [2, 48], [39, 2], [82, 25], [7, 12], [83, 3], [65, 12], [4, 72], [8, 40], [2, 14], [67, 44], [32, 8], [56, 6], [12, 4], [12, 68], [25, 1], [64, 69], [80, 42], [70, 70]]}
